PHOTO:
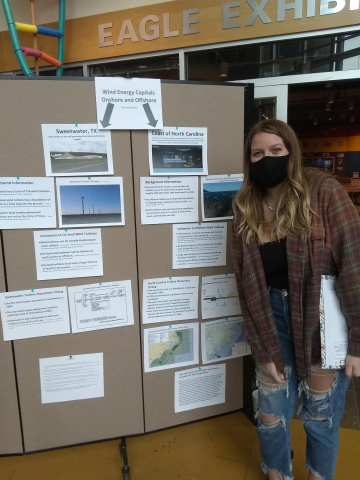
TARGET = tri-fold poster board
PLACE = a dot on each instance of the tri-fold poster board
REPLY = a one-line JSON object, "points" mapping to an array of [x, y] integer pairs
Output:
{"points": [[113, 285]]}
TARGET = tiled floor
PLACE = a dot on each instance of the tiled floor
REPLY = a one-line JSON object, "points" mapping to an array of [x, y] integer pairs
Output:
{"points": [[222, 448]]}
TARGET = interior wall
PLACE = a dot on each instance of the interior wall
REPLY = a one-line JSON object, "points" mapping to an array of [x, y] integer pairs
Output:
{"points": [[47, 11]]}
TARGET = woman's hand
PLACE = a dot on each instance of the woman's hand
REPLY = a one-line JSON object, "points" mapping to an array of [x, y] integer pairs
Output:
{"points": [[270, 369], [352, 366]]}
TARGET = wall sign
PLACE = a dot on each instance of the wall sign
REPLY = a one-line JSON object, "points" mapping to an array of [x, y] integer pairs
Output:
{"points": [[186, 23], [152, 27]]}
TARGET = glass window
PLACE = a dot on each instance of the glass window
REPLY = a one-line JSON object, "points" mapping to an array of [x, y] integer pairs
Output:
{"points": [[224, 64], [164, 67], [324, 105], [348, 52], [265, 108], [325, 118], [288, 57], [267, 55], [318, 55], [51, 72], [67, 72]]}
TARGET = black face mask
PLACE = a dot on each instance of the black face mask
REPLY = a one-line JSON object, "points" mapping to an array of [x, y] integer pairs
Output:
{"points": [[269, 171]]}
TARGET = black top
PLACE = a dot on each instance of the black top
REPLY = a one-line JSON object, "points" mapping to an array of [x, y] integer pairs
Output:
{"points": [[274, 260]]}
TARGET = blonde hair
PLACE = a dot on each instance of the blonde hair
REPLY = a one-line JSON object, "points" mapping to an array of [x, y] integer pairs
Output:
{"points": [[293, 211]]}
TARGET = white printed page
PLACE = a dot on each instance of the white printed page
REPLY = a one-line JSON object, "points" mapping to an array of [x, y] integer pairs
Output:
{"points": [[68, 253], [73, 377], [199, 245], [169, 200], [336, 329], [199, 387], [27, 202], [34, 313], [128, 103], [170, 299]]}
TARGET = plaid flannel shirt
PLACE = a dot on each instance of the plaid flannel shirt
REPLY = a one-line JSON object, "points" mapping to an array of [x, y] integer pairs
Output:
{"points": [[335, 242]]}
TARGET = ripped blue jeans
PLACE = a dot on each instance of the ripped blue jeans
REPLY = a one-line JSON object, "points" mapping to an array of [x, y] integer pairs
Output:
{"points": [[321, 410]]}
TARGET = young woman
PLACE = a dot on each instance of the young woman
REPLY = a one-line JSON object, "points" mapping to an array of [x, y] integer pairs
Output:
{"points": [[292, 225]]}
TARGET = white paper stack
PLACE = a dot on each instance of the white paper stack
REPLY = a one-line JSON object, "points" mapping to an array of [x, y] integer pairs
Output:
{"points": [[333, 326]]}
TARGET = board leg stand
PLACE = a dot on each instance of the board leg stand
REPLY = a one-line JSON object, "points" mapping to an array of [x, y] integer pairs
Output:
{"points": [[123, 453]]}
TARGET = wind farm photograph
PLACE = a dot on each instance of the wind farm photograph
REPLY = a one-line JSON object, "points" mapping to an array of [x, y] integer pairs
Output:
{"points": [[80, 150], [217, 199], [69, 156], [90, 205]]}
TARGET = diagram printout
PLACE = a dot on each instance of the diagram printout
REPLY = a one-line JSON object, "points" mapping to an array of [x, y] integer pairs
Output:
{"points": [[100, 305], [219, 296]]}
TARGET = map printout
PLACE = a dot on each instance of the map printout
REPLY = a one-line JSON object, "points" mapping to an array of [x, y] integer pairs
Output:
{"points": [[223, 339], [171, 346]]}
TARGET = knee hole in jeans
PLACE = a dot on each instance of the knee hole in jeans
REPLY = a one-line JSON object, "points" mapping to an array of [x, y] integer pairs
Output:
{"points": [[314, 415], [321, 382], [317, 388], [266, 384], [269, 420]]}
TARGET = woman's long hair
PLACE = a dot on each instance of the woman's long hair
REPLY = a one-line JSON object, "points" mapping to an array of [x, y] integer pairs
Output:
{"points": [[293, 210]]}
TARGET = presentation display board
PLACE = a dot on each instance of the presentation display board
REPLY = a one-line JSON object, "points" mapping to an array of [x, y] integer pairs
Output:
{"points": [[120, 411], [97, 356], [9, 412], [220, 109]]}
